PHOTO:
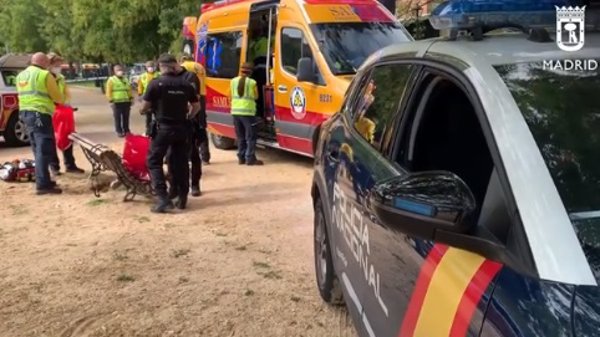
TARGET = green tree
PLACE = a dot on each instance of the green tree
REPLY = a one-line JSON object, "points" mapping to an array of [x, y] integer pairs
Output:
{"points": [[20, 29]]}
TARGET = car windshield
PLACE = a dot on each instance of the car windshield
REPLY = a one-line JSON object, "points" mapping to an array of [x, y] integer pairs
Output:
{"points": [[347, 45], [563, 113]]}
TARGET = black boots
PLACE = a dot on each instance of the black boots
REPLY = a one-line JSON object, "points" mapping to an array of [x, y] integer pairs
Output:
{"points": [[162, 205]]}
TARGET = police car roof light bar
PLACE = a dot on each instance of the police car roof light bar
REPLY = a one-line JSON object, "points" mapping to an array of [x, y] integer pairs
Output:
{"points": [[481, 16]]}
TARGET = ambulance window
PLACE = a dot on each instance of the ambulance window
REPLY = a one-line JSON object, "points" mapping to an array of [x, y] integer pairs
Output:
{"points": [[296, 47], [379, 100], [222, 54]]}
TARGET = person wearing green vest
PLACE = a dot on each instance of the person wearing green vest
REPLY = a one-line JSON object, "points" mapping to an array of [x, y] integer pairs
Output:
{"points": [[142, 86], [120, 96], [38, 94], [69, 160], [243, 95]]}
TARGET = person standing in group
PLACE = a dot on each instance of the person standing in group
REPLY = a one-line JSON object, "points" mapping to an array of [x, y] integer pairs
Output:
{"points": [[243, 94], [187, 61], [38, 93], [143, 82], [120, 96], [170, 96], [55, 69]]}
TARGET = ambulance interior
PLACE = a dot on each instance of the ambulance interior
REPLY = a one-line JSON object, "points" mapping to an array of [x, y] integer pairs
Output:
{"points": [[261, 42]]}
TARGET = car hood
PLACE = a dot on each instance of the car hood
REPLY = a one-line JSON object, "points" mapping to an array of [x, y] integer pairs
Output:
{"points": [[586, 311]]}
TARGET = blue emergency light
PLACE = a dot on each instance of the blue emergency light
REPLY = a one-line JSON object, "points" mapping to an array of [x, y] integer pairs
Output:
{"points": [[415, 207], [493, 14]]}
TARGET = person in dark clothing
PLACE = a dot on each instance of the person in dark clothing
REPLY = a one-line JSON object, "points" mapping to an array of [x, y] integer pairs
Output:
{"points": [[195, 127], [170, 96]]}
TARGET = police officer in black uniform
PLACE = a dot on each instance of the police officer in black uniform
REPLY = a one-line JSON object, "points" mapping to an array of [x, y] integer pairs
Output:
{"points": [[170, 96]]}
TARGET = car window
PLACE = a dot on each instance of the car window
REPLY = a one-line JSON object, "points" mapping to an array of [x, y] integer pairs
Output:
{"points": [[222, 54], [378, 101], [9, 77], [562, 111], [295, 48]]}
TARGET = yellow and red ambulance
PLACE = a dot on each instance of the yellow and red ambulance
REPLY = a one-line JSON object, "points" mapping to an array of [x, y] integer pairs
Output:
{"points": [[305, 53]]}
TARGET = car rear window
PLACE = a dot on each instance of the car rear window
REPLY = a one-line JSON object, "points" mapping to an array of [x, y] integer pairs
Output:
{"points": [[562, 110]]}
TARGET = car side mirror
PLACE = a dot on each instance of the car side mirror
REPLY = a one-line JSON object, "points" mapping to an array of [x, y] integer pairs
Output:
{"points": [[306, 70], [421, 203]]}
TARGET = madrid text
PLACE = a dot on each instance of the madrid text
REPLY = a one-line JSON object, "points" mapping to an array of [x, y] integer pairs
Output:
{"points": [[355, 230], [571, 65]]}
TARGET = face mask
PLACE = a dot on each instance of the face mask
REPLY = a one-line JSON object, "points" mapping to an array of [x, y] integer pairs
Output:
{"points": [[119, 73], [56, 70], [150, 69]]}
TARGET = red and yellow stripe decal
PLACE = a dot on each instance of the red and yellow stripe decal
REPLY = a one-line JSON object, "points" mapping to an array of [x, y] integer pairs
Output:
{"points": [[449, 287]]}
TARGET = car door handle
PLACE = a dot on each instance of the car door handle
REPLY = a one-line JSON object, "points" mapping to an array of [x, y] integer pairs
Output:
{"points": [[282, 88]]}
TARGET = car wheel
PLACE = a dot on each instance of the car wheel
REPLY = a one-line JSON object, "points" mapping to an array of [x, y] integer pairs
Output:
{"points": [[221, 142], [327, 282], [16, 132]]}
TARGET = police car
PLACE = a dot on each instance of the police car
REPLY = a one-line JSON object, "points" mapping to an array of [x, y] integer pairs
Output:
{"points": [[457, 192]]}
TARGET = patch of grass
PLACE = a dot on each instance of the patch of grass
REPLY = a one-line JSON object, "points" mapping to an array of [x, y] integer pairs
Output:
{"points": [[183, 279], [221, 234], [96, 202], [241, 248], [169, 225], [125, 278], [143, 219], [120, 256], [265, 251], [18, 209], [295, 299], [249, 292], [176, 253], [272, 274], [71, 245], [87, 84], [259, 264]]}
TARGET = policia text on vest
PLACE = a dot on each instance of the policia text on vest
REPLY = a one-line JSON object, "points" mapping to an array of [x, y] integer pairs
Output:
{"points": [[38, 93]]}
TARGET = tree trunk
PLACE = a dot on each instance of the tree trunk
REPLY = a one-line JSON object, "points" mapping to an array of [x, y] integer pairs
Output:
{"points": [[390, 5]]}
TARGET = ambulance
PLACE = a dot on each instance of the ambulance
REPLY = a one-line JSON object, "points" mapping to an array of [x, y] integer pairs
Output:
{"points": [[305, 53]]}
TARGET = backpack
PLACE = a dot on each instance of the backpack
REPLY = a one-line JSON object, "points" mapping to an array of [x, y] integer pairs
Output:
{"points": [[18, 170]]}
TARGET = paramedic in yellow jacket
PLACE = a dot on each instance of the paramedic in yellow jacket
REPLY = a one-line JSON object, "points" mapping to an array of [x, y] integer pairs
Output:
{"points": [[69, 160], [142, 84], [38, 93], [187, 62], [243, 94], [120, 96]]}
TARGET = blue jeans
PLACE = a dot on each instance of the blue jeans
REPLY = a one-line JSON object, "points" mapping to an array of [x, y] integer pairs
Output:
{"points": [[245, 132], [41, 134]]}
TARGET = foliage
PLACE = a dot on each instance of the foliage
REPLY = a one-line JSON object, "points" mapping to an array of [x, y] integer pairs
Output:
{"points": [[95, 30]]}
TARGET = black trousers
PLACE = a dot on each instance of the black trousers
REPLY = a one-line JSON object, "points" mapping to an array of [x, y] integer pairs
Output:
{"points": [[194, 158], [175, 140], [204, 148], [121, 112], [68, 157]]}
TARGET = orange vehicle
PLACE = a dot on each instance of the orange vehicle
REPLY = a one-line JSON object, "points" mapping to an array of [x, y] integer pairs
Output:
{"points": [[305, 53], [11, 127]]}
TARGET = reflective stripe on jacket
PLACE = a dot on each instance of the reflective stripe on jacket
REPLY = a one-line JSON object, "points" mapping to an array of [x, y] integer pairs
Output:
{"points": [[32, 90]]}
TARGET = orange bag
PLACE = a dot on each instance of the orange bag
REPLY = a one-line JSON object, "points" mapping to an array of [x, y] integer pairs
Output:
{"points": [[134, 156], [63, 121]]}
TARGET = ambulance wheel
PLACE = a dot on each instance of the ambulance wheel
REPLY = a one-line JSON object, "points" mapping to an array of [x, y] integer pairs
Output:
{"points": [[16, 132], [222, 143], [327, 282]]}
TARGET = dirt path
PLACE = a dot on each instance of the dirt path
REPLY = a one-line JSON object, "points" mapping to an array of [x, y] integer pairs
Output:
{"points": [[238, 262]]}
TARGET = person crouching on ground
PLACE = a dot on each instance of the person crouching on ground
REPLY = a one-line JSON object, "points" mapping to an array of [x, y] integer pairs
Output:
{"points": [[69, 160], [243, 94], [120, 96]]}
